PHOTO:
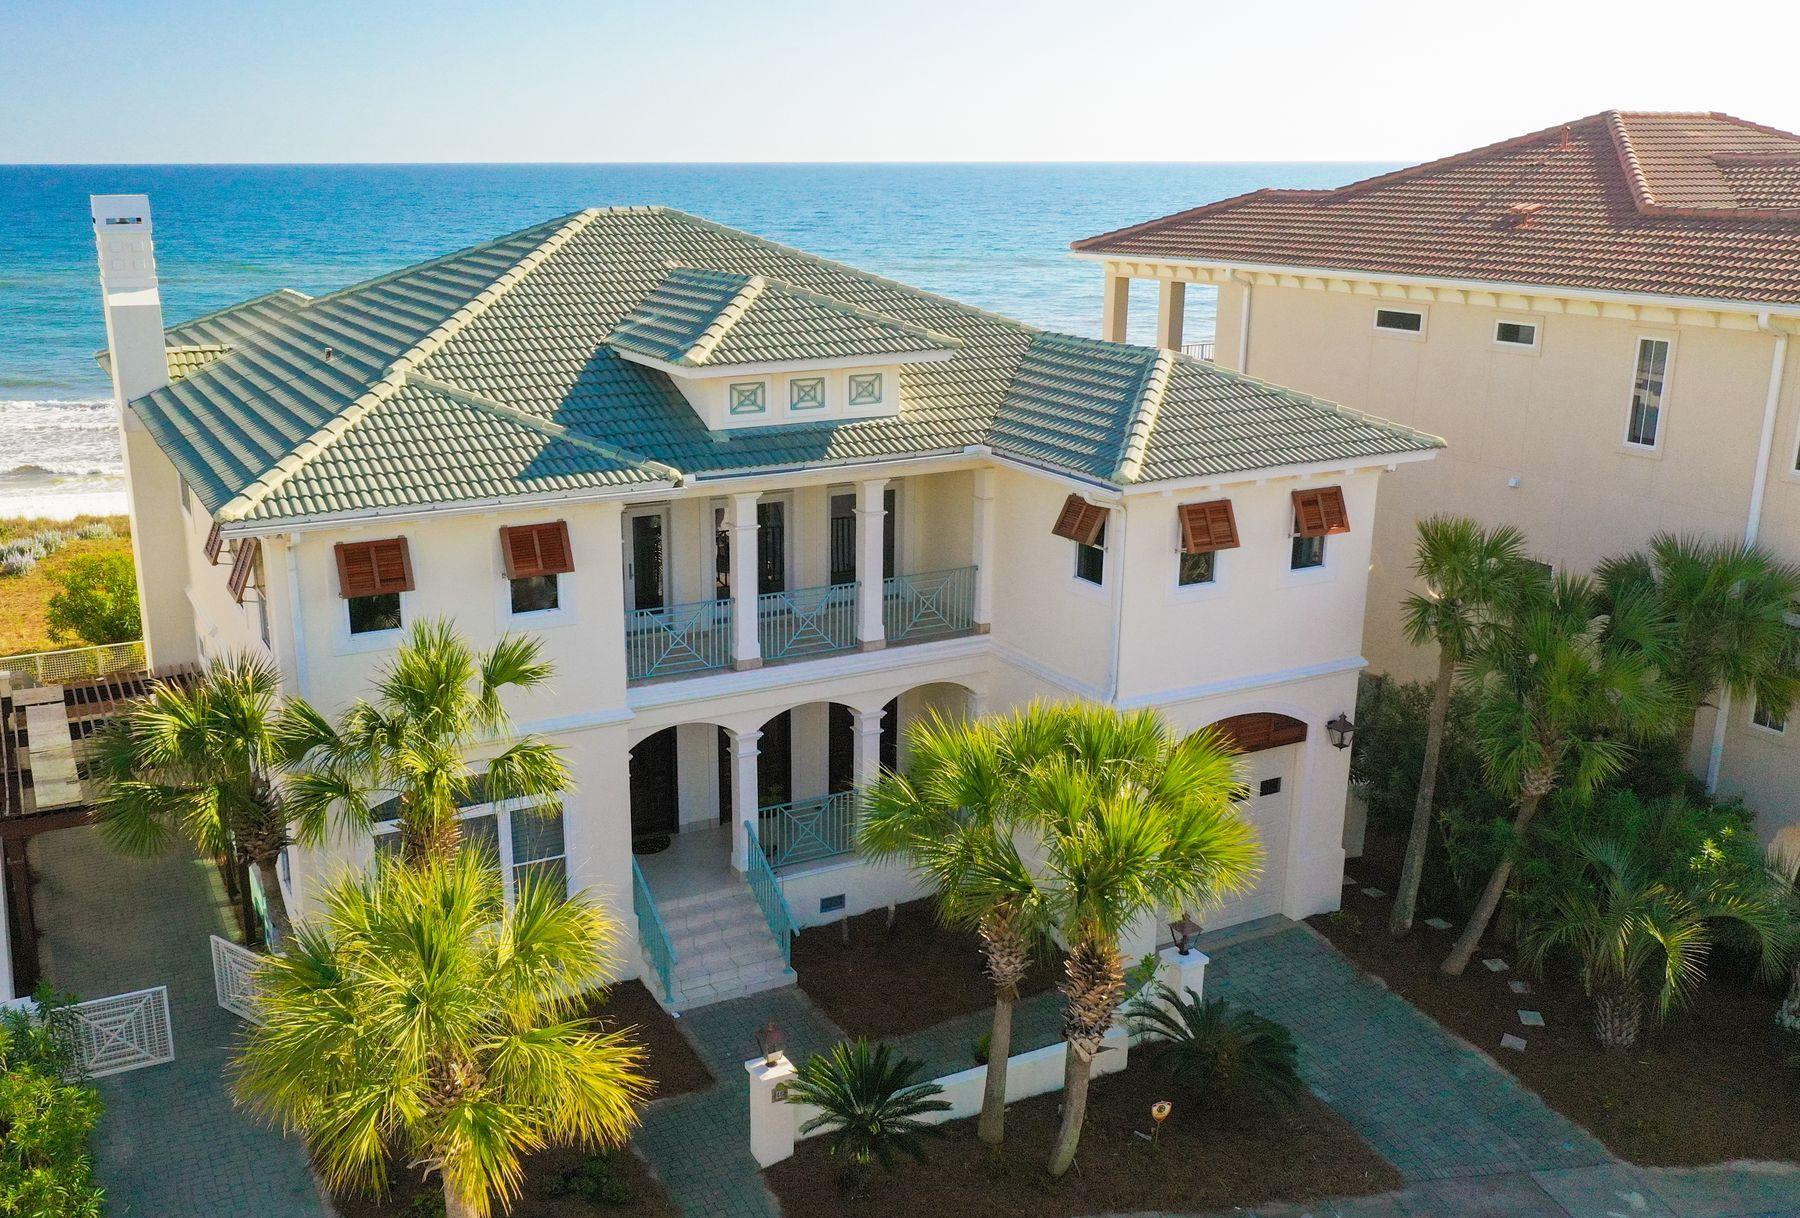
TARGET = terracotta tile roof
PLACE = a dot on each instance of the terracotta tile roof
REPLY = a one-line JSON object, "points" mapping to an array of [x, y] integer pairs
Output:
{"points": [[1694, 205]]}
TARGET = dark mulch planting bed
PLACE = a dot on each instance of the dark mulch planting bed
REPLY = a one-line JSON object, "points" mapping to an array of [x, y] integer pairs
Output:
{"points": [[1716, 1082], [411, 1198], [673, 1063], [888, 981], [1205, 1160]]}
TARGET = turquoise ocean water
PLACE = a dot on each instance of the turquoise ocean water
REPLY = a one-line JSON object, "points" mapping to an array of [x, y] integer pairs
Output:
{"points": [[992, 235]]}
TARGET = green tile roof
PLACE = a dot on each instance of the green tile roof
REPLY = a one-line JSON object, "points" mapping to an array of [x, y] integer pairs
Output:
{"points": [[495, 372]]}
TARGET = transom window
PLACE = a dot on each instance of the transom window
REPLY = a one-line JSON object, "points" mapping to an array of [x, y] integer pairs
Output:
{"points": [[521, 841], [1404, 321], [1649, 382], [1515, 334]]}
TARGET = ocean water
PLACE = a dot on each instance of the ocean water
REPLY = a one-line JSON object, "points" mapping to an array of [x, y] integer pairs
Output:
{"points": [[995, 236]]}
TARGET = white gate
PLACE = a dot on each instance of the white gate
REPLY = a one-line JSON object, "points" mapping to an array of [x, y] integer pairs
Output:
{"points": [[124, 1032], [234, 978]]}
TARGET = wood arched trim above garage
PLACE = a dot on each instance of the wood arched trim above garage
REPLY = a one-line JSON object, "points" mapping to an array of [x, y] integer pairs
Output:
{"points": [[1262, 730]]}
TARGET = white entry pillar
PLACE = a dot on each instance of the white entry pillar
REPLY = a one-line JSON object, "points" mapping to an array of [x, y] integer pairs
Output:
{"points": [[1115, 307], [868, 745], [983, 547], [871, 529], [746, 648], [1171, 308], [743, 795]]}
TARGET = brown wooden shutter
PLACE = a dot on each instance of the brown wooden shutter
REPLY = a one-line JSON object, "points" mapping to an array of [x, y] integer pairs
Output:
{"points": [[244, 564], [1206, 527], [373, 568], [537, 549], [1260, 730], [1320, 512], [1080, 521], [215, 541]]}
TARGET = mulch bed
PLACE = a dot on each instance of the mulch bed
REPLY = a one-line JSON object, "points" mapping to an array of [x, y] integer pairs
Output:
{"points": [[1715, 1083], [887, 981], [673, 1064], [411, 1198], [1205, 1160]]}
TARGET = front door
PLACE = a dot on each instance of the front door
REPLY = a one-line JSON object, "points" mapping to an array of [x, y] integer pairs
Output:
{"points": [[654, 803], [646, 559]]}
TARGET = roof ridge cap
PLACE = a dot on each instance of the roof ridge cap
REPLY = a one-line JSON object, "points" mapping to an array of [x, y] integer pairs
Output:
{"points": [[394, 378], [1641, 196], [1152, 389], [724, 320], [852, 310], [543, 426]]}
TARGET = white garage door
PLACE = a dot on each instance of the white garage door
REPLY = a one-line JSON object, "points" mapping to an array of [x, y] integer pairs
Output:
{"points": [[1270, 777]]}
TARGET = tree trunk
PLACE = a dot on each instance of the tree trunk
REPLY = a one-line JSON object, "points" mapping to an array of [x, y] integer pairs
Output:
{"points": [[1459, 956], [1074, 1110], [455, 1204], [1618, 1017], [1789, 1014], [992, 1126], [270, 875], [1406, 899]]}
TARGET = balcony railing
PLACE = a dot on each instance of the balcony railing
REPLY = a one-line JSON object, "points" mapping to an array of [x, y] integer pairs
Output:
{"points": [[1202, 349], [929, 604], [806, 621], [808, 830], [677, 639]]}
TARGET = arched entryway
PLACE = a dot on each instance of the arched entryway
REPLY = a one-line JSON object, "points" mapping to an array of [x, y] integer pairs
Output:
{"points": [[1270, 745]]}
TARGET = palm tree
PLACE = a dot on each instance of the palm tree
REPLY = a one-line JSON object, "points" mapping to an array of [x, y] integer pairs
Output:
{"points": [[205, 763], [1131, 820], [1561, 687], [950, 816], [421, 1021], [868, 1103], [1727, 604], [1469, 572], [1637, 922], [434, 703]]}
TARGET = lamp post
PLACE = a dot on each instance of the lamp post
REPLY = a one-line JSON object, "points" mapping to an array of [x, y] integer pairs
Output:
{"points": [[770, 1042], [1185, 931]]}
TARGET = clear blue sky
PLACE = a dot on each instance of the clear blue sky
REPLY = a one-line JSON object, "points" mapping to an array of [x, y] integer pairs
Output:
{"points": [[752, 80]]}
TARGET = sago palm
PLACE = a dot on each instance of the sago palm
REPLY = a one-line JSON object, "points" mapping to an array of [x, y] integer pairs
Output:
{"points": [[950, 817], [1561, 689], [434, 703], [1130, 820], [870, 1104], [421, 1022], [1469, 573], [205, 763], [1727, 604]]}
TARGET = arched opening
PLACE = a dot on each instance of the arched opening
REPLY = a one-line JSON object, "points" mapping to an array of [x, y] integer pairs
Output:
{"points": [[1259, 730], [1269, 745], [654, 788]]}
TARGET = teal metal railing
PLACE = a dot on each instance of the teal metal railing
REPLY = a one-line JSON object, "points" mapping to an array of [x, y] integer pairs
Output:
{"points": [[652, 933], [766, 888], [806, 621], [810, 829], [928, 604], [677, 639]]}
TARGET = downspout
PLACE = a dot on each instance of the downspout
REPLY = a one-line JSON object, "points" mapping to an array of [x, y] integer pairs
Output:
{"points": [[1243, 361], [1753, 522]]}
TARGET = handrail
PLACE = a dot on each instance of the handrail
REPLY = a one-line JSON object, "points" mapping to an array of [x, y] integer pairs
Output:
{"points": [[1202, 349], [807, 830], [766, 888], [70, 663], [929, 603], [677, 638], [806, 621], [651, 931]]}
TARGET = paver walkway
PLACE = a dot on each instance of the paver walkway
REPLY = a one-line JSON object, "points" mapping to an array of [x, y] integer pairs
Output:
{"points": [[171, 1144]]}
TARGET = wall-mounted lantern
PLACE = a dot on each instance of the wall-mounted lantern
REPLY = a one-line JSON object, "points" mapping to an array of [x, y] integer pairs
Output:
{"points": [[1340, 730]]}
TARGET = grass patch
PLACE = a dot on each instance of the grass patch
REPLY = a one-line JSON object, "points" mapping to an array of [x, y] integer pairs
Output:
{"points": [[23, 597]]}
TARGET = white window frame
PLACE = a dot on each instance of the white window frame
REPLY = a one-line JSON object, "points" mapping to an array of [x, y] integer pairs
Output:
{"points": [[1766, 729], [542, 619], [345, 643], [1537, 334], [1662, 403], [1326, 570], [1180, 593], [1418, 335], [1107, 574], [502, 811]]}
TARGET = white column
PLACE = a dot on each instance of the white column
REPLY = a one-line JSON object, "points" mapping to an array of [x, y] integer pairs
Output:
{"points": [[746, 645], [868, 745], [743, 795], [871, 514], [773, 1121], [983, 547], [1171, 306], [1115, 307]]}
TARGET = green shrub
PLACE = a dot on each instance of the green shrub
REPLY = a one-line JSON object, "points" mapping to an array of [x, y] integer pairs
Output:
{"points": [[980, 1047], [596, 1180], [47, 1115], [98, 530], [1218, 1055], [97, 603], [869, 1104]]}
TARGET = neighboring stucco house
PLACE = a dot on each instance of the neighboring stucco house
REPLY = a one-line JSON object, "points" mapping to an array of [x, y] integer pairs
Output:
{"points": [[1596, 317], [764, 511]]}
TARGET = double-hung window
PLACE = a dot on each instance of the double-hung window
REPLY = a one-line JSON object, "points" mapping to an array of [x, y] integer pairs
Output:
{"points": [[1206, 528], [1649, 383], [1084, 524], [1318, 513], [523, 839]]}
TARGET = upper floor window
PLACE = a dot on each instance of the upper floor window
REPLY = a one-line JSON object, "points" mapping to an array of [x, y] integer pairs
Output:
{"points": [[1400, 321], [371, 577], [1206, 528], [1516, 333], [1090, 560], [536, 556], [1648, 383], [1084, 524], [1318, 514]]}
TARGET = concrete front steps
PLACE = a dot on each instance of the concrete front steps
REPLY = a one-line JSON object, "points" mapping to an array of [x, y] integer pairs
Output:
{"points": [[723, 948]]}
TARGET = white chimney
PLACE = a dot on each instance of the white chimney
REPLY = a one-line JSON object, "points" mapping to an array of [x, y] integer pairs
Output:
{"points": [[134, 325]]}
